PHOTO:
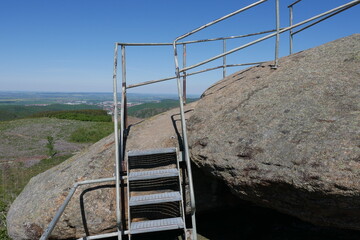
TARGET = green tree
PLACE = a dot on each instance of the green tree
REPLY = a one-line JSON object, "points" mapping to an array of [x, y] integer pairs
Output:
{"points": [[50, 146]]}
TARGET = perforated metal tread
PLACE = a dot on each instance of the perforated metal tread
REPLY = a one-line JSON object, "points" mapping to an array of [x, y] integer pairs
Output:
{"points": [[156, 225], [161, 173], [155, 198], [151, 151]]}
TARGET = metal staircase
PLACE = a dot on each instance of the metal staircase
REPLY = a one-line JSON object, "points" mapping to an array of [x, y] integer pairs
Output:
{"points": [[154, 188], [155, 196]]}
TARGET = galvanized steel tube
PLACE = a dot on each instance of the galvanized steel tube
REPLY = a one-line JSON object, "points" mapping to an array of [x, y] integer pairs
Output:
{"points": [[277, 7], [116, 136], [294, 3], [326, 17], [185, 143], [224, 58], [228, 65], [61, 210], [58, 214], [195, 41], [184, 73], [291, 30], [149, 82], [144, 44], [190, 74], [218, 20], [269, 36], [226, 38], [123, 117]]}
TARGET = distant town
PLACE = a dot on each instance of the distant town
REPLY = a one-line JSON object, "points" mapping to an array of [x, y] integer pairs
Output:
{"points": [[17, 104], [105, 105]]}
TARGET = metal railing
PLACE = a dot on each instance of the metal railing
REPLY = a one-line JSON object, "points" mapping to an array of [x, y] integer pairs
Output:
{"points": [[60, 211], [183, 73], [322, 18]]}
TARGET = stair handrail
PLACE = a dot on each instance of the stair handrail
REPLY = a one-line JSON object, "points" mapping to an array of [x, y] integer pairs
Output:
{"points": [[60, 211], [282, 30], [329, 15], [333, 11]]}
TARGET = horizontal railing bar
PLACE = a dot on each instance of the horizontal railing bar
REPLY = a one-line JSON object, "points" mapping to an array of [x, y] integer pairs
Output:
{"points": [[144, 44], [225, 38], [230, 65], [245, 64], [100, 236], [294, 3], [268, 36], [105, 235], [100, 180], [322, 19], [60, 211], [190, 74], [218, 20], [149, 82], [197, 41], [198, 29]]}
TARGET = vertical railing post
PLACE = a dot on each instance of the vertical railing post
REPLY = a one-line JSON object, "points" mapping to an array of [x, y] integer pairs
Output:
{"points": [[123, 102], [185, 143], [291, 30], [224, 58], [117, 152], [184, 76], [123, 109], [277, 34]]}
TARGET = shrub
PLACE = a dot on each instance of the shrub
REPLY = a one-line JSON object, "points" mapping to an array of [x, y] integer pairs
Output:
{"points": [[93, 134], [93, 115]]}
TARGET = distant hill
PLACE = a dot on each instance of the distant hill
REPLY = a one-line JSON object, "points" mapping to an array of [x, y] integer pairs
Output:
{"points": [[11, 112], [90, 115]]}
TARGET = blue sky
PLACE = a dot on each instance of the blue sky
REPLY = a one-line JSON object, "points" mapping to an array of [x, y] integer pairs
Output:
{"points": [[67, 45]]}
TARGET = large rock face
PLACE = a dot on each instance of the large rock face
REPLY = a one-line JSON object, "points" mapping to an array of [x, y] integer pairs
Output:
{"points": [[288, 139]]}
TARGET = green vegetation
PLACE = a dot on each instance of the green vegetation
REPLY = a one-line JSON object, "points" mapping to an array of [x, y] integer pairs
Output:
{"points": [[50, 146], [147, 110], [93, 134], [13, 178], [93, 115], [12, 112], [31, 137]]}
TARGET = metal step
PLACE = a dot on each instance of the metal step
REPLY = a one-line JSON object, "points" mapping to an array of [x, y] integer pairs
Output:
{"points": [[156, 225], [151, 158], [161, 173], [151, 152], [155, 198]]}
